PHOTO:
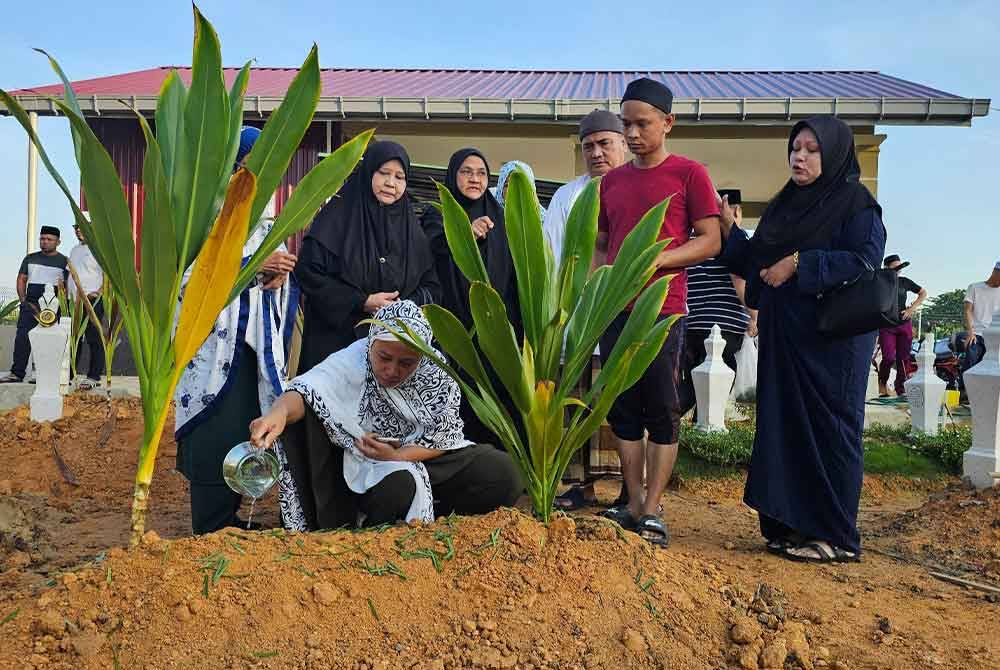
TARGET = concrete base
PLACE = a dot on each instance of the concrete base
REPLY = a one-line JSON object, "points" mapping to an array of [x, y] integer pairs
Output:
{"points": [[979, 467], [15, 395]]}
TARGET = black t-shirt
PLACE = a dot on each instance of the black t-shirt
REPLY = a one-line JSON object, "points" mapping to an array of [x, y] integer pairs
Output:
{"points": [[42, 270], [906, 285]]}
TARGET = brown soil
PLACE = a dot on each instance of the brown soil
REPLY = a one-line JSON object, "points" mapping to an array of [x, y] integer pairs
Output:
{"points": [[506, 592]]}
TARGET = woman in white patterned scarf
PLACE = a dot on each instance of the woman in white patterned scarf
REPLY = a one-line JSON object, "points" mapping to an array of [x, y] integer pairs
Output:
{"points": [[394, 416]]}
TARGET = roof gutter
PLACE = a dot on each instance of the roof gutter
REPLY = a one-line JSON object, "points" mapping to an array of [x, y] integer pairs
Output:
{"points": [[691, 111]]}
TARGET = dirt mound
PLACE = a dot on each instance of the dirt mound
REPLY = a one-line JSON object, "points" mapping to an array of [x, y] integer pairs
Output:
{"points": [[956, 528], [498, 591]]}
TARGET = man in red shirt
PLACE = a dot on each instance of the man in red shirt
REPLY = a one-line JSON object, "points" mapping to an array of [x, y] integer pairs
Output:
{"points": [[651, 408]]}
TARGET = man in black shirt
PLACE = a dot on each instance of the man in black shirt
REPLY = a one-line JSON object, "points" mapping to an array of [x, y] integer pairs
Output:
{"points": [[41, 268], [897, 342]]}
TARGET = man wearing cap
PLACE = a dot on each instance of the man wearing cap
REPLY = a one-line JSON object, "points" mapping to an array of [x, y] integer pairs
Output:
{"points": [[645, 419], [715, 298], [38, 269], [91, 276], [602, 143], [896, 343], [982, 301]]}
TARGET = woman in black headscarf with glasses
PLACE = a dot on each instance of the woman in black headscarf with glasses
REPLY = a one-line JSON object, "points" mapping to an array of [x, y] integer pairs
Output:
{"points": [[468, 181], [365, 249], [819, 232]]}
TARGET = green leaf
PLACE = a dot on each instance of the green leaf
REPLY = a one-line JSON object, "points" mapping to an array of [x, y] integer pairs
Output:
{"points": [[527, 247], [200, 163], [111, 221], [170, 127], [158, 242], [461, 241], [320, 184], [283, 132], [581, 238], [456, 341], [236, 94], [637, 327], [69, 96], [497, 340]]}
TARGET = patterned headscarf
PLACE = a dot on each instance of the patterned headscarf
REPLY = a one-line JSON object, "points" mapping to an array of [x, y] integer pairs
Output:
{"points": [[401, 311]]}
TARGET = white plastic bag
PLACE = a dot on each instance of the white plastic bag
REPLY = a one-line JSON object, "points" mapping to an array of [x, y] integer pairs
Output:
{"points": [[746, 369]]}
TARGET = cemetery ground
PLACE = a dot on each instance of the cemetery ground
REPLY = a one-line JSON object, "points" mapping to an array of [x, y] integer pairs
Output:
{"points": [[498, 591]]}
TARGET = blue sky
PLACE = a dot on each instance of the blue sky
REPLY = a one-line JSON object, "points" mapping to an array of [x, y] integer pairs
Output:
{"points": [[936, 184]]}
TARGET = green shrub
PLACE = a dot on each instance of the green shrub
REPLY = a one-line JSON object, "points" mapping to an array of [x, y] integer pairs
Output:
{"points": [[728, 447]]}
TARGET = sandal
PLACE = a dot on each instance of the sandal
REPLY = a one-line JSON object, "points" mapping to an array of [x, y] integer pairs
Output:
{"points": [[86, 385], [652, 529], [11, 379], [621, 516], [823, 552], [573, 499]]}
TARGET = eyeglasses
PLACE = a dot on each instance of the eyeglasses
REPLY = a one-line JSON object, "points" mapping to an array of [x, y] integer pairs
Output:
{"points": [[469, 173]]}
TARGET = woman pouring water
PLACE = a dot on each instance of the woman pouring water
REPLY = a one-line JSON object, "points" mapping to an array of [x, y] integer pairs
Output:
{"points": [[379, 437]]}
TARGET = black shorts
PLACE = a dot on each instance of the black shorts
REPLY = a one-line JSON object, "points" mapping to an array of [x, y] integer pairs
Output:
{"points": [[653, 403]]}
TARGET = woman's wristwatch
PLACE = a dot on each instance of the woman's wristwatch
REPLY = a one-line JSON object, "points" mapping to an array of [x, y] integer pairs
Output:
{"points": [[795, 261]]}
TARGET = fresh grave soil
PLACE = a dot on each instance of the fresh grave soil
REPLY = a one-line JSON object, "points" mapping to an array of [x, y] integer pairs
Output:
{"points": [[497, 591], [958, 529]]}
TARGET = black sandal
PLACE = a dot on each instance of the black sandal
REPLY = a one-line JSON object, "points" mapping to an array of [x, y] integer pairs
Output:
{"points": [[621, 516], [825, 553], [652, 529], [573, 499]]}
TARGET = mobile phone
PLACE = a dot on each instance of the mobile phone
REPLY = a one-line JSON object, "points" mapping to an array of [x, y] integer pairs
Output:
{"points": [[394, 442]]}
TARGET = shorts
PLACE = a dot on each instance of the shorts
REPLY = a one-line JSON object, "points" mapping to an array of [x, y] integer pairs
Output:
{"points": [[653, 404]]}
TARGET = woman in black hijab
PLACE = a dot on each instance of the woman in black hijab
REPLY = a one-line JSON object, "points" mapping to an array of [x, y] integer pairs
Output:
{"points": [[468, 180], [817, 233], [365, 249]]}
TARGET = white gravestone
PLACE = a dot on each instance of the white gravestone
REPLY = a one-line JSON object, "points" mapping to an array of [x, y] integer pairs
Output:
{"points": [[66, 323], [983, 385], [925, 391], [48, 347], [712, 382]]}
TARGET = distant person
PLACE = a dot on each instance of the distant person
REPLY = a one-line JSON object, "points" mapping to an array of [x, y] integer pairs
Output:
{"points": [[820, 231], [92, 281], [602, 143], [468, 181], [645, 419], [39, 269], [716, 297], [500, 190], [897, 342], [365, 249], [982, 301]]}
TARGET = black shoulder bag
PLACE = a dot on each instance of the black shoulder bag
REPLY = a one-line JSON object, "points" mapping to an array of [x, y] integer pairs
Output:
{"points": [[867, 304]]}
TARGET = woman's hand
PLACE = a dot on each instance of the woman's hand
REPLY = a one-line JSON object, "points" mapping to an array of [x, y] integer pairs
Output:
{"points": [[377, 301], [481, 226], [279, 263], [729, 215], [779, 273], [374, 449], [752, 327], [268, 428]]}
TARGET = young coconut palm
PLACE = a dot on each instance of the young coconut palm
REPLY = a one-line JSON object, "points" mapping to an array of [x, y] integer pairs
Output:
{"points": [[188, 184], [564, 303]]}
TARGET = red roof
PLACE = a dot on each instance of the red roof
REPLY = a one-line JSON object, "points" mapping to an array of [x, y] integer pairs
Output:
{"points": [[528, 85]]}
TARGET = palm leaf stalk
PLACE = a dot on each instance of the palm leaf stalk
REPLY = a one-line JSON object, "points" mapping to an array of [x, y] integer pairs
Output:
{"points": [[195, 211], [559, 303]]}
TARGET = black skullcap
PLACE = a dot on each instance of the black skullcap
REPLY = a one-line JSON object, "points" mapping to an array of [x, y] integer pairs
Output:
{"points": [[49, 230], [651, 92], [735, 197], [600, 120]]}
